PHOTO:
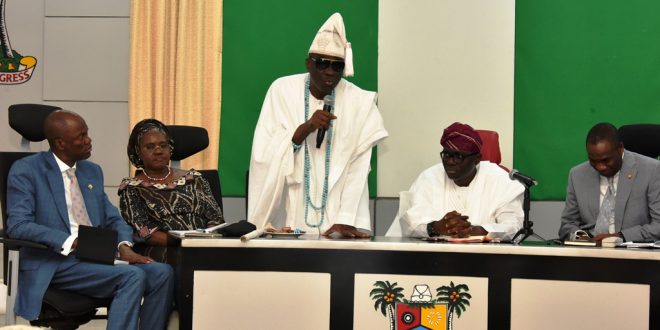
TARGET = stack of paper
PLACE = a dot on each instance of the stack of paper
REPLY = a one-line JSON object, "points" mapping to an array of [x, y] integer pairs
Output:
{"points": [[648, 245], [206, 232]]}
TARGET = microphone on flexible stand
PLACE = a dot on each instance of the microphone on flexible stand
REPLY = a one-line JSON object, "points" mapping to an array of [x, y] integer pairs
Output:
{"points": [[526, 230], [524, 179], [328, 103]]}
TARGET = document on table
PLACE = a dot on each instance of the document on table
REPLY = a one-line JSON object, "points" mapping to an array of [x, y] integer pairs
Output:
{"points": [[206, 232], [469, 239], [648, 245]]}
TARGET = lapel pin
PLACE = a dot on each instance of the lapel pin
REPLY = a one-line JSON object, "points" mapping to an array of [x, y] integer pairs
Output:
{"points": [[90, 186]]}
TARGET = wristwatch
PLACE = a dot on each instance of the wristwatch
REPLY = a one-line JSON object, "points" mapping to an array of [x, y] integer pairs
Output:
{"points": [[429, 229]]}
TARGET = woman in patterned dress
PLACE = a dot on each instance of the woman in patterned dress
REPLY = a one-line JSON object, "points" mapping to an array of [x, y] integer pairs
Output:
{"points": [[161, 198]]}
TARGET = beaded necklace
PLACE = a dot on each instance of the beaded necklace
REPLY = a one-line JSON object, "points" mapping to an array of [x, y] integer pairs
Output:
{"points": [[324, 194], [158, 179]]}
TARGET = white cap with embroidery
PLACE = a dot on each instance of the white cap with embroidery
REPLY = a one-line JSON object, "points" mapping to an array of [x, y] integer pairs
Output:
{"points": [[331, 41]]}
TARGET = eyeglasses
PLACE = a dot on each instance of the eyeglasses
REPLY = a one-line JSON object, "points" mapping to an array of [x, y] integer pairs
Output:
{"points": [[457, 156], [151, 147], [324, 63]]}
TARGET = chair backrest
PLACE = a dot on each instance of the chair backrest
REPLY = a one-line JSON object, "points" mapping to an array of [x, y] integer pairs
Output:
{"points": [[641, 138], [189, 140], [7, 159], [490, 150], [28, 120]]}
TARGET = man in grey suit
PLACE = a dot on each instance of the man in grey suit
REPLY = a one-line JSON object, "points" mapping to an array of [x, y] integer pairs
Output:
{"points": [[615, 193], [45, 205]]}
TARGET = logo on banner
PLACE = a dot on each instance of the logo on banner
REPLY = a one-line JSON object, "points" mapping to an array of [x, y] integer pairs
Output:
{"points": [[422, 311], [14, 67]]}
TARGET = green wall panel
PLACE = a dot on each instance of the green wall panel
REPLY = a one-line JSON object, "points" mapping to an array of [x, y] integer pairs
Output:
{"points": [[578, 63], [263, 40]]}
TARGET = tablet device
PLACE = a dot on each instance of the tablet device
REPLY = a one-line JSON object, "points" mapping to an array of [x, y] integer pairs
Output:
{"points": [[96, 245]]}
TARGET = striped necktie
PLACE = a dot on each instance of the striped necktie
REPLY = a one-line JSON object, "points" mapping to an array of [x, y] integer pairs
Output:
{"points": [[77, 202], [606, 213]]}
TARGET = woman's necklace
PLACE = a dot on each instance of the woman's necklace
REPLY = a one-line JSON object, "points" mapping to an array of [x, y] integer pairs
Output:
{"points": [[169, 171], [306, 175]]}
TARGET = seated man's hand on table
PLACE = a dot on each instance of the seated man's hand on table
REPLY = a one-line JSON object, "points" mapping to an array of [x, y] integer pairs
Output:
{"points": [[456, 225], [582, 235], [600, 237], [345, 231], [471, 231]]}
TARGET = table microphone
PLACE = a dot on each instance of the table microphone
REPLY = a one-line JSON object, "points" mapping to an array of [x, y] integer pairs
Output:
{"points": [[328, 103], [525, 179]]}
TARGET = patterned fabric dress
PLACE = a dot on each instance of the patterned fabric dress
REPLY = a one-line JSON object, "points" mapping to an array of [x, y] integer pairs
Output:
{"points": [[185, 204]]}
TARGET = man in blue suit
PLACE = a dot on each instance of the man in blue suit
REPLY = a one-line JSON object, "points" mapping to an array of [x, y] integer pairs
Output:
{"points": [[615, 193], [40, 209]]}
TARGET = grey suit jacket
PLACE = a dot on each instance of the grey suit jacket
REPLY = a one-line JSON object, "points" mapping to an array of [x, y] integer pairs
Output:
{"points": [[37, 212], [637, 205]]}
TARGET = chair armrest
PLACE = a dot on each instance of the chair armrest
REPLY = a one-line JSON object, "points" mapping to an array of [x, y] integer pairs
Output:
{"points": [[15, 244]]}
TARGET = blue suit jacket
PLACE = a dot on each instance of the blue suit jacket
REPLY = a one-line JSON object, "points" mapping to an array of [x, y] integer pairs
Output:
{"points": [[37, 212], [637, 203]]}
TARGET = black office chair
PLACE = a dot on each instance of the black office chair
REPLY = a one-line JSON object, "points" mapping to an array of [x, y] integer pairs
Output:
{"points": [[189, 140], [27, 119], [641, 138], [60, 309]]}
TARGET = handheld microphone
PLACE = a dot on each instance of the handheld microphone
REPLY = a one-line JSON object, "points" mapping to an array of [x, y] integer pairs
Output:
{"points": [[328, 103], [524, 179]]}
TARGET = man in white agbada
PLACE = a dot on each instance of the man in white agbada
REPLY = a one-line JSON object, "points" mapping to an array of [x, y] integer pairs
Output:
{"points": [[461, 197], [292, 181]]}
